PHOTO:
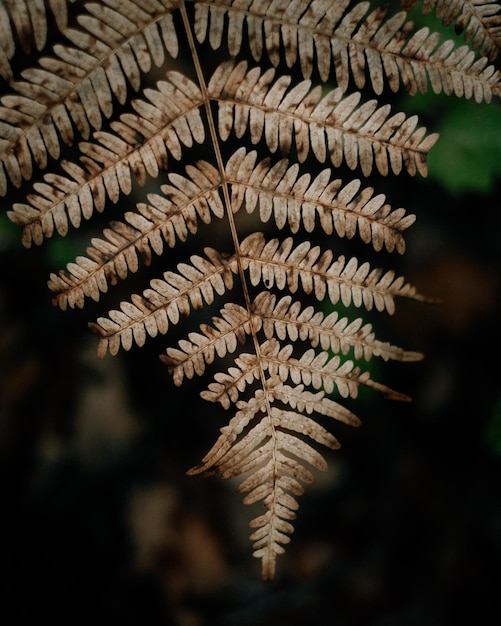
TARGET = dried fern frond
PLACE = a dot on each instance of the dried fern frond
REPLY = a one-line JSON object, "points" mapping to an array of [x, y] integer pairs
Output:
{"points": [[266, 441], [170, 117], [273, 263], [165, 301], [283, 321], [280, 264], [75, 88], [27, 21], [293, 200], [478, 20], [140, 146], [332, 125], [270, 446], [373, 46], [168, 217], [176, 139], [287, 319]]}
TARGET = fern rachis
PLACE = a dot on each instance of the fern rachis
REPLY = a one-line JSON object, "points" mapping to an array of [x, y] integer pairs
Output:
{"points": [[111, 87]]}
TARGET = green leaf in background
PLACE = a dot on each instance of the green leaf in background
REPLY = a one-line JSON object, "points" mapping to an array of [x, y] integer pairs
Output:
{"points": [[63, 250], [493, 430], [467, 157], [9, 233]]}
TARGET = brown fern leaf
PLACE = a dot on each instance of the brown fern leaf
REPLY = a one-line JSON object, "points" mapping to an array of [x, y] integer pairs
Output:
{"points": [[333, 33], [75, 88], [168, 118], [273, 263], [270, 448], [479, 21], [170, 217], [283, 321], [239, 141], [332, 125], [165, 302], [294, 200], [287, 319], [265, 439], [278, 263], [27, 20]]}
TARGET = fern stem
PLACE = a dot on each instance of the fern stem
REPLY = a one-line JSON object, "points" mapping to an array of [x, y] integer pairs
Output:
{"points": [[220, 164], [227, 201], [214, 137]]}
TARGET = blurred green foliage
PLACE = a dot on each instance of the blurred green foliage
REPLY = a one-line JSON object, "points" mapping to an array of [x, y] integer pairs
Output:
{"points": [[467, 158], [10, 234], [493, 430]]}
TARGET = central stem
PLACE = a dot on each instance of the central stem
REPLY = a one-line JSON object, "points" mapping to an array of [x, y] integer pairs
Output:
{"points": [[238, 255]]}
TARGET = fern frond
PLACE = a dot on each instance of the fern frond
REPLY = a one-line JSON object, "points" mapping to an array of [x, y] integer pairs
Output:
{"points": [[278, 320], [313, 368], [279, 263], [295, 199], [168, 217], [373, 45], [272, 450], [171, 216], [479, 21], [264, 137], [275, 477], [139, 146], [113, 45], [312, 402], [297, 397], [170, 116], [27, 21], [164, 302], [301, 30], [276, 461], [267, 262], [199, 349], [228, 386], [263, 449], [319, 370], [287, 319], [333, 126]]}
